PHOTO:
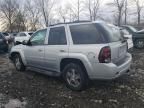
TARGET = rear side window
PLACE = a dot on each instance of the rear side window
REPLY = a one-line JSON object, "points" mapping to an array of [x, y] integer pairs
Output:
{"points": [[112, 32], [57, 36], [86, 34]]}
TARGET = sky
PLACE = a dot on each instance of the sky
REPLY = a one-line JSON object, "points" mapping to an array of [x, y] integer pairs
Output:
{"points": [[105, 10]]}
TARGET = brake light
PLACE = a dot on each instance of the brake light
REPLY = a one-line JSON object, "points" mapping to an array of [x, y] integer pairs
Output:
{"points": [[105, 55]]}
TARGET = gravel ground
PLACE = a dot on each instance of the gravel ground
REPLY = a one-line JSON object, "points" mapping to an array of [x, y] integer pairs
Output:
{"points": [[32, 90]]}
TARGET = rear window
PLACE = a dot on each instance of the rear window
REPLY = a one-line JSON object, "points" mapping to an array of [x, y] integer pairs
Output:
{"points": [[125, 32], [86, 34]]}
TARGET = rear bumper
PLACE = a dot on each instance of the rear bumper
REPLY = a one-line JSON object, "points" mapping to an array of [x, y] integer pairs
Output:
{"points": [[111, 70]]}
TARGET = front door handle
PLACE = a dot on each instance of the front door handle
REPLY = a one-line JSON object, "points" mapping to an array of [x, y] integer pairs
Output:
{"points": [[62, 51]]}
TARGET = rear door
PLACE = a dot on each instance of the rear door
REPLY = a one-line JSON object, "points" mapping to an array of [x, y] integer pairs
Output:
{"points": [[56, 49], [34, 53]]}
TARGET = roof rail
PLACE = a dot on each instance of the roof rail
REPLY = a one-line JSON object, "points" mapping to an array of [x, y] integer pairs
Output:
{"points": [[82, 21]]}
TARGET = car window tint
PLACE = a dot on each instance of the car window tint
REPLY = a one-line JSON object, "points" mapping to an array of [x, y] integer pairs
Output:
{"points": [[57, 36], [113, 33], [39, 37], [86, 34], [22, 34]]}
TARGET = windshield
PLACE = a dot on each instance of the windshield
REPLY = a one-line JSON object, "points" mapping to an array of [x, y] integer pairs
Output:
{"points": [[132, 29]]}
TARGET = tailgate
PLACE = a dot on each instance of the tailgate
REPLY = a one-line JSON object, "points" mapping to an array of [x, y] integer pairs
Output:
{"points": [[118, 51]]}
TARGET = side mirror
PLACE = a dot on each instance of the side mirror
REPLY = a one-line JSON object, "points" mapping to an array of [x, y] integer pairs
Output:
{"points": [[24, 42]]}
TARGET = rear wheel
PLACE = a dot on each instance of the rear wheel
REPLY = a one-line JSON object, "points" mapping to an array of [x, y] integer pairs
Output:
{"points": [[139, 44], [75, 77], [18, 63]]}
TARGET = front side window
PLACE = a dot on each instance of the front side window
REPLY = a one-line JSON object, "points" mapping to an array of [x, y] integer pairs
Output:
{"points": [[86, 34], [57, 36], [38, 38]]}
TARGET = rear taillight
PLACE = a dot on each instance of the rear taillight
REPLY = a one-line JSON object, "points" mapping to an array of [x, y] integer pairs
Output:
{"points": [[105, 55]]}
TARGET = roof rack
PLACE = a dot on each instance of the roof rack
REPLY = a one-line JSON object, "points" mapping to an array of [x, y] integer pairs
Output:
{"points": [[82, 21]]}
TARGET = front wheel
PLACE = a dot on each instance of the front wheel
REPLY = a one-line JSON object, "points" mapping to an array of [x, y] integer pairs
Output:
{"points": [[75, 77], [139, 43], [18, 63]]}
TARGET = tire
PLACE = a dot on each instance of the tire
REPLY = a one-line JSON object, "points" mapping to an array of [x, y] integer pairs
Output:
{"points": [[139, 43], [18, 63], [79, 80]]}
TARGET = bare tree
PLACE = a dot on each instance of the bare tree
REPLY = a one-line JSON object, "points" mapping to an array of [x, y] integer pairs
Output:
{"points": [[63, 13], [32, 15], [125, 11], [9, 10], [76, 9], [119, 4], [93, 8], [19, 24], [139, 6], [45, 7]]}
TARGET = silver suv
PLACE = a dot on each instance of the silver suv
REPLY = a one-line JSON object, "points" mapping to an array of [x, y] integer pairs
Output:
{"points": [[76, 51]]}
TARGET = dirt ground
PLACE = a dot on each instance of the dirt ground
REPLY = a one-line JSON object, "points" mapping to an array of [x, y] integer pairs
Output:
{"points": [[32, 90]]}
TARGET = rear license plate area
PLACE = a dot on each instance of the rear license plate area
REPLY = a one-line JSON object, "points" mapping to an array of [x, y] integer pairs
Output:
{"points": [[122, 50]]}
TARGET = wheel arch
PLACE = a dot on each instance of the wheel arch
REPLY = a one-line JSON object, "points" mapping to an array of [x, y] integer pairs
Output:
{"points": [[66, 61], [22, 56]]}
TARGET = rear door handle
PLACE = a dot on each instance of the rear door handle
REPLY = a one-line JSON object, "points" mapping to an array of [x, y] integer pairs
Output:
{"points": [[62, 51]]}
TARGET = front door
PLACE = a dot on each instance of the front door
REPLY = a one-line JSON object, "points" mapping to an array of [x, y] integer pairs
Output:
{"points": [[34, 53]]}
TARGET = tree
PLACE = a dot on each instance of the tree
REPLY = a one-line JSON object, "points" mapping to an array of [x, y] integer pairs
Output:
{"points": [[139, 7], [32, 15], [119, 4], [76, 9], [63, 13], [93, 8], [19, 24], [125, 11], [45, 7], [9, 10]]}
